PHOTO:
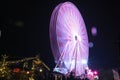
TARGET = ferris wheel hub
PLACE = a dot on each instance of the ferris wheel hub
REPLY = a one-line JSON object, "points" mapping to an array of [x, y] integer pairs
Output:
{"points": [[76, 38]]}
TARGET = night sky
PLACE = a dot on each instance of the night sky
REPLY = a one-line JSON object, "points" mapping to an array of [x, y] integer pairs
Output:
{"points": [[24, 30]]}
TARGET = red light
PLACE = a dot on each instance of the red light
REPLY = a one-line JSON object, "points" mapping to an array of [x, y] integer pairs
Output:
{"points": [[16, 70]]}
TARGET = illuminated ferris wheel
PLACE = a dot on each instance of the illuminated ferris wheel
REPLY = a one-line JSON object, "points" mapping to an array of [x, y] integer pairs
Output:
{"points": [[69, 40]]}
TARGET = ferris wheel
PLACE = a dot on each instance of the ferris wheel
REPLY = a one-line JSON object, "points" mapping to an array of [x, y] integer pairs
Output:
{"points": [[69, 40]]}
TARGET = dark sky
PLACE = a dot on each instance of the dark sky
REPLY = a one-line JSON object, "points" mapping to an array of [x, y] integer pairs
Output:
{"points": [[24, 28]]}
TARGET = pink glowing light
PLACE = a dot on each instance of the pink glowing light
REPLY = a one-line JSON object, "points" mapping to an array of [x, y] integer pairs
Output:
{"points": [[69, 40], [94, 31], [90, 73], [95, 72]]}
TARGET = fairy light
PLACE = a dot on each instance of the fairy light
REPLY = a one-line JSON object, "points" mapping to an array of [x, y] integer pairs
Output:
{"points": [[40, 70], [27, 72]]}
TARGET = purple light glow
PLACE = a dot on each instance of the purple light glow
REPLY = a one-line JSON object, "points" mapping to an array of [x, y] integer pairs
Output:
{"points": [[69, 40], [94, 31]]}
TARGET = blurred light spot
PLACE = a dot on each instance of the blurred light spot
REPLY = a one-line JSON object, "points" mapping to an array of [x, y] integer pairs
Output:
{"points": [[16, 70], [40, 70], [87, 68], [94, 31], [95, 72], [91, 44], [90, 73], [84, 61], [27, 72], [19, 24], [96, 77]]}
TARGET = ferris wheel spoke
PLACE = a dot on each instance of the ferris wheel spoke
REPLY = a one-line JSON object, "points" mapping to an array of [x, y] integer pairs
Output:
{"points": [[70, 23], [82, 47], [69, 54], [62, 49], [63, 31], [84, 44], [78, 59], [69, 50], [63, 46], [66, 57], [64, 39], [84, 50], [75, 58], [65, 27]]}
